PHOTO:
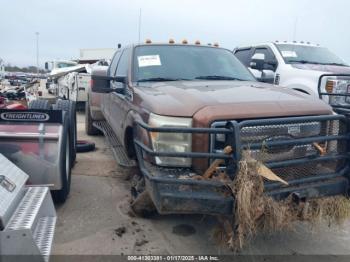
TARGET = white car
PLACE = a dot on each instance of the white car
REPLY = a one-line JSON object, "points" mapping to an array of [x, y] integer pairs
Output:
{"points": [[305, 67]]}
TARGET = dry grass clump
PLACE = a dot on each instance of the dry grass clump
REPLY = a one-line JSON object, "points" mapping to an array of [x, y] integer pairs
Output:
{"points": [[255, 211]]}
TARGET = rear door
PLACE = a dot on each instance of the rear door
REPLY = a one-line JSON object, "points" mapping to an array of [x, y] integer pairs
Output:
{"points": [[106, 98], [120, 98]]}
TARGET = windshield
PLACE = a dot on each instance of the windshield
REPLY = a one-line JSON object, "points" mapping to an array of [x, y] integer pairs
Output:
{"points": [[171, 63], [308, 54]]}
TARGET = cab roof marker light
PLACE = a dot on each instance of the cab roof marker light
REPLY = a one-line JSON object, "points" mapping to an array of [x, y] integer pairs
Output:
{"points": [[197, 42], [171, 41], [185, 42], [148, 41], [216, 44]]}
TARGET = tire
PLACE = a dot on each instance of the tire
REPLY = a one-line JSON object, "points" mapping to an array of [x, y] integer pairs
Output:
{"points": [[141, 203], [60, 196], [70, 108], [39, 104], [85, 146], [89, 127]]}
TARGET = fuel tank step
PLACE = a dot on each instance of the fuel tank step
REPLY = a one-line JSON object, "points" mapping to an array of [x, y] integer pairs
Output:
{"points": [[117, 148], [43, 235], [27, 213]]}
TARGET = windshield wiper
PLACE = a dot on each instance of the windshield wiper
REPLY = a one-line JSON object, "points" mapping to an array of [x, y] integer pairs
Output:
{"points": [[216, 77], [314, 62], [160, 79], [304, 62], [338, 64]]}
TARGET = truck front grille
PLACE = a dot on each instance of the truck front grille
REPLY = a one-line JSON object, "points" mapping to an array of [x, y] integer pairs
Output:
{"points": [[250, 135]]}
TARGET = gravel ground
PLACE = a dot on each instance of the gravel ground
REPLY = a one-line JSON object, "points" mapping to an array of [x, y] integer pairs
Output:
{"points": [[95, 220]]}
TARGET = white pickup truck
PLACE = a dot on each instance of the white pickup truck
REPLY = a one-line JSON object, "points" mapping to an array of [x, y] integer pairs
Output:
{"points": [[302, 66]]}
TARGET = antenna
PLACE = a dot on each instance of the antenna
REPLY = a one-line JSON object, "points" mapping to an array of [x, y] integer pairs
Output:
{"points": [[140, 16]]}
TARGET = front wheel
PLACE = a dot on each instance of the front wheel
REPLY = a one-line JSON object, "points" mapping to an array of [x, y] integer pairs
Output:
{"points": [[141, 204]]}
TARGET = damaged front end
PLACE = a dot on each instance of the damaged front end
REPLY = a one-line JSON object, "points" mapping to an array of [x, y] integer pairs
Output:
{"points": [[309, 153]]}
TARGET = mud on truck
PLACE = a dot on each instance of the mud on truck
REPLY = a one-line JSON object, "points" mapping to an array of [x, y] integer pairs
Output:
{"points": [[188, 111]]}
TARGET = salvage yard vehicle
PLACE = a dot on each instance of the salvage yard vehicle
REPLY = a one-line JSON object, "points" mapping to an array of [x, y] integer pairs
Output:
{"points": [[41, 141], [70, 80], [187, 112], [301, 66]]}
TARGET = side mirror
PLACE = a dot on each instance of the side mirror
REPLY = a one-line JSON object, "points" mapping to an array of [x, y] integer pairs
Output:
{"points": [[258, 61], [100, 82], [267, 76]]}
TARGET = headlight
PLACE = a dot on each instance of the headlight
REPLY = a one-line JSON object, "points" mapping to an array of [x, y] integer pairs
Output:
{"points": [[338, 86], [171, 142]]}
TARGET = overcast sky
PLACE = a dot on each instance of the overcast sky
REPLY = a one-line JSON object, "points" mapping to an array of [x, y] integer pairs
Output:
{"points": [[65, 26]]}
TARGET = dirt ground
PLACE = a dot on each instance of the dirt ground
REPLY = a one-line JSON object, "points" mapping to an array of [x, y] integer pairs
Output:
{"points": [[95, 220]]}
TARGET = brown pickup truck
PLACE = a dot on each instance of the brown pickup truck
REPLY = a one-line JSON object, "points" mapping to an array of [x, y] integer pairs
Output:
{"points": [[175, 107]]}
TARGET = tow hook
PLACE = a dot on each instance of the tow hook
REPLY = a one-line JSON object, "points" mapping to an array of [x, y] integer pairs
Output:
{"points": [[297, 198]]}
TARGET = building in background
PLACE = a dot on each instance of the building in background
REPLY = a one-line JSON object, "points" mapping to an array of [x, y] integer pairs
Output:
{"points": [[92, 55]]}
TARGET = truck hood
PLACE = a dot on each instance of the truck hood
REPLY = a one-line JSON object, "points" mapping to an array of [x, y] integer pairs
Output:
{"points": [[324, 68], [225, 100]]}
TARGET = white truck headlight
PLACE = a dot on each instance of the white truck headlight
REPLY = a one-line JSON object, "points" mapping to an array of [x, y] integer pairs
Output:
{"points": [[338, 86], [171, 142]]}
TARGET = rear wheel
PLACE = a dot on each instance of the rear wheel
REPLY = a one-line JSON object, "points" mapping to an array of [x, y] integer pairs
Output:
{"points": [[60, 196], [89, 127]]}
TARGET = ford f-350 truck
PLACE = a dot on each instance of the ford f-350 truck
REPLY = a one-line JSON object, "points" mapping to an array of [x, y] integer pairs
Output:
{"points": [[175, 107], [302, 66]]}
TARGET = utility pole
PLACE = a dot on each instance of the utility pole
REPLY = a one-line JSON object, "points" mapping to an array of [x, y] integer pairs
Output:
{"points": [[140, 15], [37, 52]]}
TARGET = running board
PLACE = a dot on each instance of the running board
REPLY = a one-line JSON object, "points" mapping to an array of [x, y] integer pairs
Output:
{"points": [[117, 148]]}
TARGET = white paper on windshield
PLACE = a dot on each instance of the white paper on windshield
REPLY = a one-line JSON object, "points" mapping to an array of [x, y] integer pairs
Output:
{"points": [[149, 60], [288, 53]]}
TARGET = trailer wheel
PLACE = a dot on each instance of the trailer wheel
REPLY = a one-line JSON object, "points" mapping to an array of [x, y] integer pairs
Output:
{"points": [[89, 127], [60, 196], [39, 104], [70, 107]]}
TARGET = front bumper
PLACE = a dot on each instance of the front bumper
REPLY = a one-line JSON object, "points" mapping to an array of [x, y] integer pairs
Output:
{"points": [[174, 191]]}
